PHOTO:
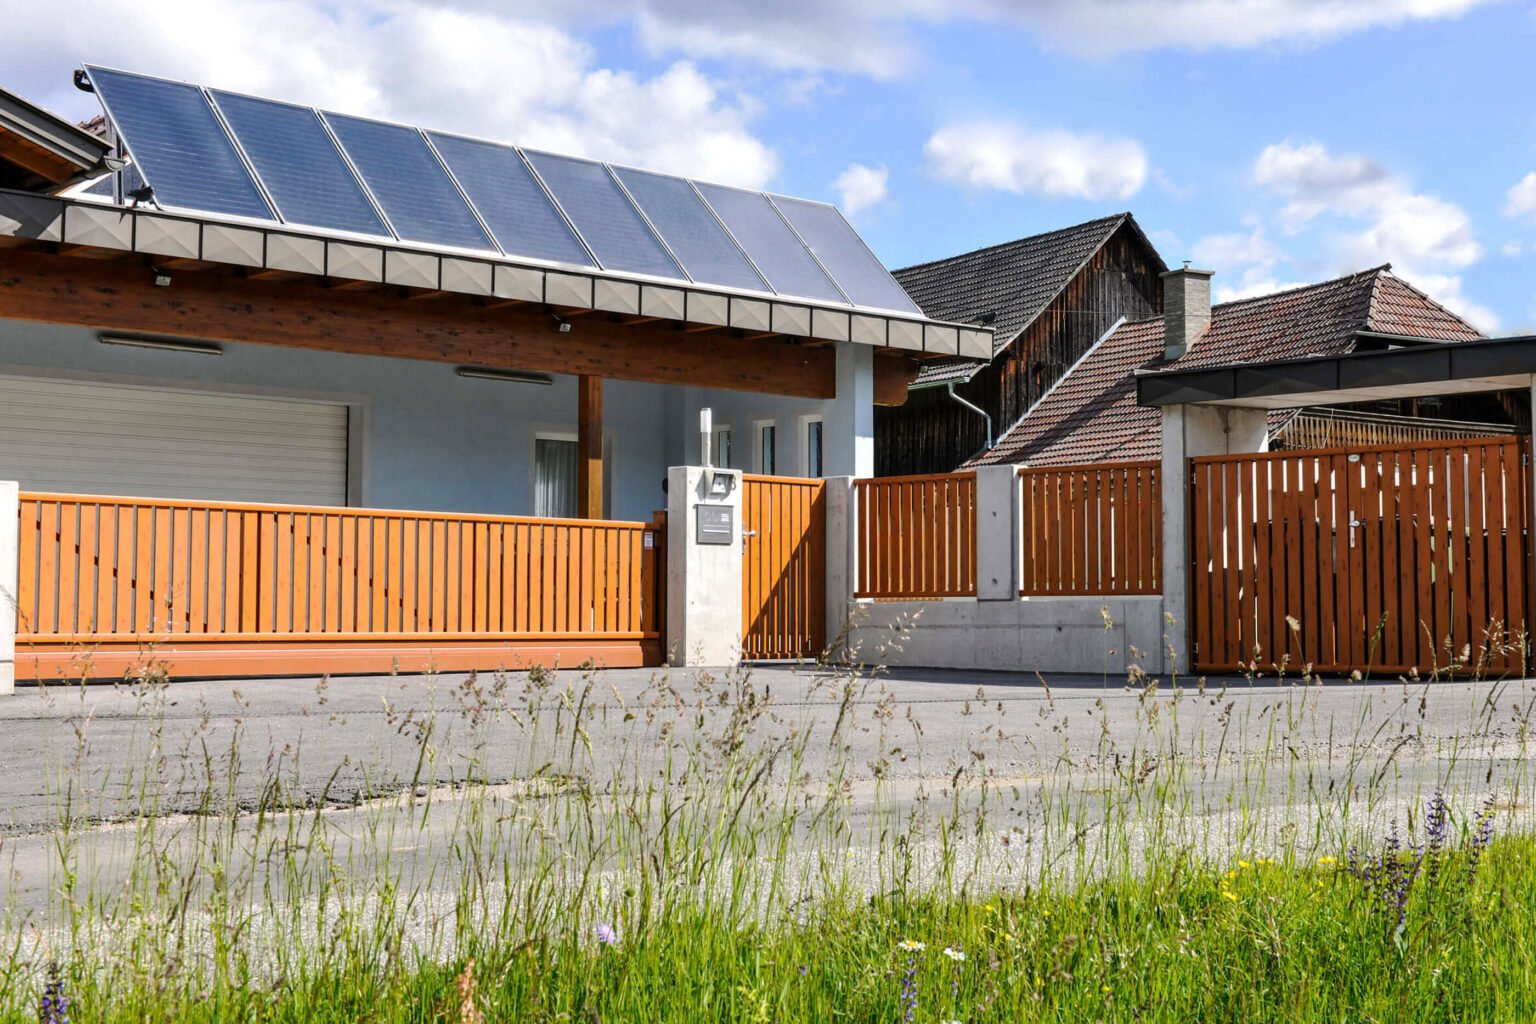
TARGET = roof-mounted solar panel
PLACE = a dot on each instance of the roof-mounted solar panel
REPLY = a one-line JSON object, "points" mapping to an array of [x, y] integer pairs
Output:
{"points": [[178, 144], [225, 153], [695, 237], [510, 200], [832, 239], [307, 178], [411, 186], [784, 261], [613, 229]]}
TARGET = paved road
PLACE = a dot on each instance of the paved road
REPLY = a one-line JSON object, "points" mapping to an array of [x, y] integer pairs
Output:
{"points": [[1239, 760]]}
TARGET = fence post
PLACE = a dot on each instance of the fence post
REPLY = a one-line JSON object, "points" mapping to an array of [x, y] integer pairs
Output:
{"points": [[842, 558], [10, 542], [703, 574], [997, 533]]}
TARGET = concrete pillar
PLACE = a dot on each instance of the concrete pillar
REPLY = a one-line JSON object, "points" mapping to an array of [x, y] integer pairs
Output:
{"points": [[1190, 431], [10, 540], [703, 578], [848, 436], [842, 559], [997, 533]]}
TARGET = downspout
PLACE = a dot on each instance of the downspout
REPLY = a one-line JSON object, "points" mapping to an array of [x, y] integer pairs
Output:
{"points": [[978, 410]]}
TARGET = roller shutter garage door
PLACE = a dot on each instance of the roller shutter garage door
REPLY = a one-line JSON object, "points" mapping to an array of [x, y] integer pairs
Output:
{"points": [[81, 437]]}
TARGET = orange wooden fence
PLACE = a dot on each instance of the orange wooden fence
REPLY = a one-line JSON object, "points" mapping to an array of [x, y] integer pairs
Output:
{"points": [[916, 537], [1092, 530], [1385, 559], [784, 568], [220, 588]]}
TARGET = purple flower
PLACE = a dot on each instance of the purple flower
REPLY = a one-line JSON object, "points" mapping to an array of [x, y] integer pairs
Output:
{"points": [[606, 935], [54, 1008]]}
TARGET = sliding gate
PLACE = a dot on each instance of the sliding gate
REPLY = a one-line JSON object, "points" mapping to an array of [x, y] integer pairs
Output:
{"points": [[1371, 559]]}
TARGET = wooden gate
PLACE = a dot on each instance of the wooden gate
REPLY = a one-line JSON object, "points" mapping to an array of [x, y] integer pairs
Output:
{"points": [[1368, 559], [784, 568]]}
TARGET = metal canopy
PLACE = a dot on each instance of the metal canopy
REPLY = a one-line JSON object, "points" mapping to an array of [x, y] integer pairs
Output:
{"points": [[210, 151], [1495, 364]]}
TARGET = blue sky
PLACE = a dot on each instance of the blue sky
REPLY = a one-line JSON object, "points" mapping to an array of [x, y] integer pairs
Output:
{"points": [[1274, 141]]}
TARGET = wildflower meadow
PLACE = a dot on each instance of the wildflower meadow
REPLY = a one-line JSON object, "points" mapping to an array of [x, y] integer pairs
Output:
{"points": [[713, 852]]}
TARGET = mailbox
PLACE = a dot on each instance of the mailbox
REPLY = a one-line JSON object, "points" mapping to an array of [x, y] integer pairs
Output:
{"points": [[716, 524]]}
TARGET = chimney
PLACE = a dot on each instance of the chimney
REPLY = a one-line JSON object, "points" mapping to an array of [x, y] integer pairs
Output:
{"points": [[1186, 308]]}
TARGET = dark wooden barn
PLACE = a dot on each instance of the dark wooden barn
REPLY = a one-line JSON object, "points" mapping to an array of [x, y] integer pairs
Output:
{"points": [[1048, 298]]}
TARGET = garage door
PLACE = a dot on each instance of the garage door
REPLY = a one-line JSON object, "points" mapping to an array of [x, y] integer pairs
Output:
{"points": [[88, 438]]}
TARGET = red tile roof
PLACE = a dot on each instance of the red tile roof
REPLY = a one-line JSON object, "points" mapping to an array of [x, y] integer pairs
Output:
{"points": [[1092, 416]]}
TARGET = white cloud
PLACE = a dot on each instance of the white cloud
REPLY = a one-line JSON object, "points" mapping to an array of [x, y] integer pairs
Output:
{"points": [[483, 71], [1520, 200], [860, 187], [1051, 163], [1513, 247], [1118, 26], [1354, 213], [883, 39]]}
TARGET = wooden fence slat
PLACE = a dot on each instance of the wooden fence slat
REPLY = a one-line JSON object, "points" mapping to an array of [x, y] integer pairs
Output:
{"points": [[915, 539], [96, 570]]}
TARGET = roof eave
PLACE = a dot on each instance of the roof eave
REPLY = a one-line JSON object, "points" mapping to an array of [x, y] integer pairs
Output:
{"points": [[52, 134]]}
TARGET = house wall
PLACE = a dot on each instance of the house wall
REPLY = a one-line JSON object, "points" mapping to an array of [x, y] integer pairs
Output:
{"points": [[743, 412], [933, 434], [426, 439]]}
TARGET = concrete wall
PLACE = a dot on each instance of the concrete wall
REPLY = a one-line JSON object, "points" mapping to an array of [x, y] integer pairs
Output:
{"points": [[1066, 635], [703, 580], [428, 439]]}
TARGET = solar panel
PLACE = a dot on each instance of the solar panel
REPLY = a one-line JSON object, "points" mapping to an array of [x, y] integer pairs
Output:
{"points": [[863, 278], [615, 232], [510, 200], [690, 230], [414, 191], [178, 144], [299, 164], [786, 264]]}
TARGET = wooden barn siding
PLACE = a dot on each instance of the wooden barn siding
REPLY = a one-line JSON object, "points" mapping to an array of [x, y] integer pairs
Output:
{"points": [[933, 434]]}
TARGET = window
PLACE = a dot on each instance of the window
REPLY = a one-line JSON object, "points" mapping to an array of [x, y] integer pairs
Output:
{"points": [[767, 453], [554, 477], [723, 454], [812, 460]]}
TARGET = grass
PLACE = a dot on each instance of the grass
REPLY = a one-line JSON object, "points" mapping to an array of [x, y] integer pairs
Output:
{"points": [[709, 850]]}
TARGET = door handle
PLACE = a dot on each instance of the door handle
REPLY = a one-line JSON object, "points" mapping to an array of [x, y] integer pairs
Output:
{"points": [[749, 533]]}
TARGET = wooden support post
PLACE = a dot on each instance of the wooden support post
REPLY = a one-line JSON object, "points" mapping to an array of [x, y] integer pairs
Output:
{"points": [[589, 447]]}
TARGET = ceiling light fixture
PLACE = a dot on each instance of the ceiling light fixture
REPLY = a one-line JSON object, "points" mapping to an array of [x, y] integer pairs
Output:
{"points": [[508, 376], [203, 348]]}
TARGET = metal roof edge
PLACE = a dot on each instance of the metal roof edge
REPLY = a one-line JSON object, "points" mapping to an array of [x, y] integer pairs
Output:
{"points": [[104, 225], [52, 132]]}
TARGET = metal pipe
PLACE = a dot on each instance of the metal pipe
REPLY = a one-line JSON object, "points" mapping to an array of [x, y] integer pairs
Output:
{"points": [[975, 409]]}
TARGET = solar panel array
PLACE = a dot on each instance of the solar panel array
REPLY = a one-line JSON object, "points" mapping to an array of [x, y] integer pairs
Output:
{"points": [[224, 153]]}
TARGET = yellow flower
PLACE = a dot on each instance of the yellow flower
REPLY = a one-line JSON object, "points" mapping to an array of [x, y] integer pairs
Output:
{"points": [[1107, 990], [1244, 864], [1045, 913], [1226, 894], [989, 908], [1327, 860]]}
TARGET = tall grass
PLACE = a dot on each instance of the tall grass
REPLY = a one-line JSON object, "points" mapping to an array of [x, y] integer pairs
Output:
{"points": [[714, 848]]}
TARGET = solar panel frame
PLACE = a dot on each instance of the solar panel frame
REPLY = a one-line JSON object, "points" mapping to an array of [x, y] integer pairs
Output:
{"points": [[792, 280], [585, 259], [884, 291], [677, 273], [375, 224], [394, 195], [696, 266], [170, 189]]}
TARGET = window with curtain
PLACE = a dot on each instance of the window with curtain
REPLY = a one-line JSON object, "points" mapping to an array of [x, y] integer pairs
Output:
{"points": [[813, 466], [554, 478], [766, 434]]}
